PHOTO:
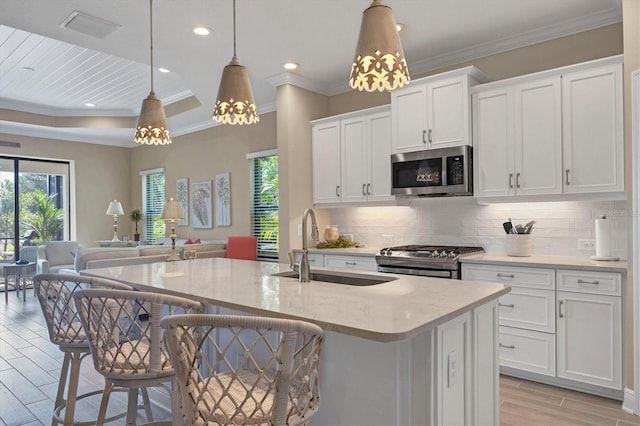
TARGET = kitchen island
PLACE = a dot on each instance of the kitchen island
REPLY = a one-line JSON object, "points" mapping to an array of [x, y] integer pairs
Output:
{"points": [[410, 351]]}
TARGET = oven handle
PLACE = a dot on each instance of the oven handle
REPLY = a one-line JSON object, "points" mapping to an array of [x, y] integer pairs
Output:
{"points": [[420, 272]]}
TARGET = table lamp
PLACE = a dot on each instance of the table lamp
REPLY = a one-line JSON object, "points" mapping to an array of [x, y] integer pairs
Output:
{"points": [[115, 210], [172, 213]]}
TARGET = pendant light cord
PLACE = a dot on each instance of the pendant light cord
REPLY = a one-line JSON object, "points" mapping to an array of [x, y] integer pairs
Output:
{"points": [[234, 29], [151, 38]]}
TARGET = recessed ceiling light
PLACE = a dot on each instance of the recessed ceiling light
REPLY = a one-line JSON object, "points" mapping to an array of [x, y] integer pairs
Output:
{"points": [[202, 31], [89, 104], [399, 26], [290, 66], [163, 70]]}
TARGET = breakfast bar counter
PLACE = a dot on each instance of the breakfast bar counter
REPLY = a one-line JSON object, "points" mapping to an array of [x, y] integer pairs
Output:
{"points": [[414, 350]]}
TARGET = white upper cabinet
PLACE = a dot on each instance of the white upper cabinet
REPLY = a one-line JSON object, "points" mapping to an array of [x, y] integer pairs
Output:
{"points": [[555, 132], [326, 162], [518, 146], [593, 142], [433, 112], [352, 158]]}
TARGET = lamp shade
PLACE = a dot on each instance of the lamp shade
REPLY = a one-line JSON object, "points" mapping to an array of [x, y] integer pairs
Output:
{"points": [[235, 104], [172, 210], [115, 208], [152, 125], [379, 62]]}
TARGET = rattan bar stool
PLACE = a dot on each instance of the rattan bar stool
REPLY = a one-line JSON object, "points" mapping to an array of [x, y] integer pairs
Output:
{"points": [[234, 370], [123, 329], [54, 292]]}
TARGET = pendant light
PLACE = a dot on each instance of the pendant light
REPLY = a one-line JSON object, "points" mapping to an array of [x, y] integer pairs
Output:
{"points": [[235, 104], [152, 125], [379, 62]]}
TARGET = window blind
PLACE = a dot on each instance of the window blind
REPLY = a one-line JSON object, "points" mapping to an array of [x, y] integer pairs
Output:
{"points": [[264, 205], [152, 204]]}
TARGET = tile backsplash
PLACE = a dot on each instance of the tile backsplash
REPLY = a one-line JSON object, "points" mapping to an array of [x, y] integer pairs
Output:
{"points": [[461, 221]]}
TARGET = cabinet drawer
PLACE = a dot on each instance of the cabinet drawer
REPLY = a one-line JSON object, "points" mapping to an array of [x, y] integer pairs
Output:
{"points": [[527, 350], [316, 259], [529, 308], [609, 283], [350, 262], [512, 275]]}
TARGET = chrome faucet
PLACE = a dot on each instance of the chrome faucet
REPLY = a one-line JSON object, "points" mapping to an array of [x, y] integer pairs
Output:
{"points": [[303, 266]]}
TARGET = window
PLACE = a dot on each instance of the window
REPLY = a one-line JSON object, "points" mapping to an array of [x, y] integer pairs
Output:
{"points": [[264, 202], [152, 204]]}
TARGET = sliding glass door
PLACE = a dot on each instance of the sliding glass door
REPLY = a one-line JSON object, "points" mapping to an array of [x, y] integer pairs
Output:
{"points": [[41, 213]]}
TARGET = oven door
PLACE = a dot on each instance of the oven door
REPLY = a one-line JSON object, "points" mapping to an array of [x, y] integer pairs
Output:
{"points": [[439, 273]]}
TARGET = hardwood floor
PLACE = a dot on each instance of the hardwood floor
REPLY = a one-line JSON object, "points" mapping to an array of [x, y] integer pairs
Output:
{"points": [[30, 366]]}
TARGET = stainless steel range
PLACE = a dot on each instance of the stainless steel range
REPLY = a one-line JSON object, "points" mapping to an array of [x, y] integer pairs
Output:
{"points": [[425, 260]]}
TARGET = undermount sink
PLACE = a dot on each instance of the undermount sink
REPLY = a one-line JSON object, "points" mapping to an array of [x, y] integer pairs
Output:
{"points": [[339, 277]]}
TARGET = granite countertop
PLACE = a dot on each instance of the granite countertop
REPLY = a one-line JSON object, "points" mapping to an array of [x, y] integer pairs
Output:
{"points": [[388, 312], [351, 251], [545, 261]]}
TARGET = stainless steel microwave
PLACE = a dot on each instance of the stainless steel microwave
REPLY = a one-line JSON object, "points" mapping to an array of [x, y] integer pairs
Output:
{"points": [[433, 172]]}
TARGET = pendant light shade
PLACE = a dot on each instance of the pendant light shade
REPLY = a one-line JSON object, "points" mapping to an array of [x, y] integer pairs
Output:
{"points": [[235, 104], [152, 125], [379, 62]]}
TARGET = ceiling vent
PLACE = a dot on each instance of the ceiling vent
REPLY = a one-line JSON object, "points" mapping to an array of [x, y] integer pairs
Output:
{"points": [[89, 25]]}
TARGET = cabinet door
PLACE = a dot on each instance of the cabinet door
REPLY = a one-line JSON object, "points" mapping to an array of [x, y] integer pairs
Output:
{"points": [[589, 339], [592, 130], [353, 160], [409, 118], [493, 144], [326, 162], [448, 113], [379, 136], [538, 137]]}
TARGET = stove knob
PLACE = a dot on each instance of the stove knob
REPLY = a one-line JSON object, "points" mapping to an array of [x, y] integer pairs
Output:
{"points": [[435, 253], [443, 253], [452, 254]]}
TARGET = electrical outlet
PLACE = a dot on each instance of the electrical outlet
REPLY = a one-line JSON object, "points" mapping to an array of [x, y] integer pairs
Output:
{"points": [[587, 245], [387, 239]]}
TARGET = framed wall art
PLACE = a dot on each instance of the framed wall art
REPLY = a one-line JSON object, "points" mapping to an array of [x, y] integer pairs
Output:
{"points": [[223, 200], [182, 195], [201, 211]]}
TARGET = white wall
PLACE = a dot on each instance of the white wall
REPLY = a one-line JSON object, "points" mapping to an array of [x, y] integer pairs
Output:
{"points": [[461, 221]]}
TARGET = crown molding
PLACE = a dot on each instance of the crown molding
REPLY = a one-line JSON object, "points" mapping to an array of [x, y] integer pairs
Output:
{"points": [[112, 137], [298, 81], [207, 124]]}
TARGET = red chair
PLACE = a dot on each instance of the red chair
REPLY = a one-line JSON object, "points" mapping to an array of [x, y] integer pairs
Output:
{"points": [[242, 248]]}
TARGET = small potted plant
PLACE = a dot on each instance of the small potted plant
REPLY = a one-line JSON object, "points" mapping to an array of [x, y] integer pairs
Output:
{"points": [[136, 216]]}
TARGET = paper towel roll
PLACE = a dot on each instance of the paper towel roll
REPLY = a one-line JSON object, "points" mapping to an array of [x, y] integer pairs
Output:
{"points": [[603, 237]]}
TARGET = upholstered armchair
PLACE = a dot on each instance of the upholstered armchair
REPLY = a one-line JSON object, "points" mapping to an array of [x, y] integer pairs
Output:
{"points": [[56, 255]]}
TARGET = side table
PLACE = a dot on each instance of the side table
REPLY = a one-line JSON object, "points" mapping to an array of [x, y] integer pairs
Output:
{"points": [[21, 272]]}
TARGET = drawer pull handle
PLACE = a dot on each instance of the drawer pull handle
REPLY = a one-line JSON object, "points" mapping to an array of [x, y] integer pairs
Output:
{"points": [[510, 180], [499, 275], [560, 309], [594, 282], [507, 346], [424, 137], [364, 185], [506, 305], [350, 263]]}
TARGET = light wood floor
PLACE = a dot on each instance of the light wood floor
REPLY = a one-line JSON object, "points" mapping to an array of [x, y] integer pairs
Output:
{"points": [[30, 367]]}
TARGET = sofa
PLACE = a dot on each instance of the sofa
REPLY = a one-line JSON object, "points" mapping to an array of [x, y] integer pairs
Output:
{"points": [[54, 256], [107, 257]]}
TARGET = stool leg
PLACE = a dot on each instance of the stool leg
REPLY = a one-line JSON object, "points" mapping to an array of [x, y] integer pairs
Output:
{"points": [[72, 392], [147, 404], [102, 414], [64, 371], [6, 289], [132, 406]]}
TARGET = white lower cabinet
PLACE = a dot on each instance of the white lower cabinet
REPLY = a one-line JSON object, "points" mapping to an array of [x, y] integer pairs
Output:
{"points": [[528, 350], [590, 338], [562, 326], [344, 261]]}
